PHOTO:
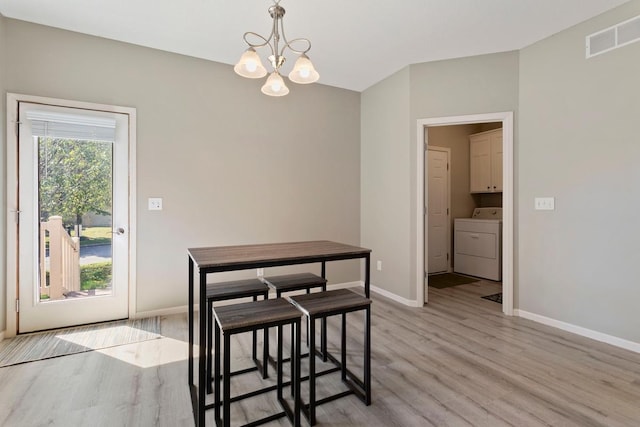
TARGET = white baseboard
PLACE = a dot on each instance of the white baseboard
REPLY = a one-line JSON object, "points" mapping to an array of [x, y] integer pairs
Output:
{"points": [[396, 298], [185, 308], [579, 330], [345, 285]]}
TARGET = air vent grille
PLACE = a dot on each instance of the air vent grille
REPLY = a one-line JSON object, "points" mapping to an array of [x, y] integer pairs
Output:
{"points": [[613, 37]]}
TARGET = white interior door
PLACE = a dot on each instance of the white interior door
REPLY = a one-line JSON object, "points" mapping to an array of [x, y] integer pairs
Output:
{"points": [[73, 232], [438, 224]]}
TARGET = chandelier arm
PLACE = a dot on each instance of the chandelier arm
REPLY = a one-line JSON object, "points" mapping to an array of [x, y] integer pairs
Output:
{"points": [[299, 51], [258, 45], [288, 44]]}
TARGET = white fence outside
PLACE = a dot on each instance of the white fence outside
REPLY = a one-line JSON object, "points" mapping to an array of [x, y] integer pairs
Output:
{"points": [[64, 260]]}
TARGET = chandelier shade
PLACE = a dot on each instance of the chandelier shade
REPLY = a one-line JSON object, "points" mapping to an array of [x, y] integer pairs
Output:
{"points": [[250, 64], [303, 71], [275, 86]]}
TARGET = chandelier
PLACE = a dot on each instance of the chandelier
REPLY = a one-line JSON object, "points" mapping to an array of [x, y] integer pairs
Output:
{"points": [[250, 65]]}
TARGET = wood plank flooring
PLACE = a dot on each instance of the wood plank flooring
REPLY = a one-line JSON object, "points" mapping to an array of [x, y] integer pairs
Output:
{"points": [[456, 362]]}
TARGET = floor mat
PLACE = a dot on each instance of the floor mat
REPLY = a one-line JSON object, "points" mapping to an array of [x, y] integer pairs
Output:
{"points": [[63, 342], [445, 280], [494, 297]]}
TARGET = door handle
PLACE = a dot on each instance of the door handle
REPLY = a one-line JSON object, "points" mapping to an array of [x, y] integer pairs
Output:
{"points": [[119, 231]]}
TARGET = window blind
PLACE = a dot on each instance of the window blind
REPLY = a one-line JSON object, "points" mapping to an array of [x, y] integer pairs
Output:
{"points": [[71, 126]]}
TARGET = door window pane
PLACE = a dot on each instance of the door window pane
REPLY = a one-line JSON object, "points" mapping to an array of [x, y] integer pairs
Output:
{"points": [[75, 200]]}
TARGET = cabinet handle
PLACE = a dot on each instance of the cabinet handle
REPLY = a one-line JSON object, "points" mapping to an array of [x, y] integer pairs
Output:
{"points": [[494, 187]]}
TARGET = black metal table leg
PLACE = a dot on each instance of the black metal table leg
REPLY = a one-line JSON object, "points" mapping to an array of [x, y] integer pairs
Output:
{"points": [[323, 331], [209, 344], [343, 351], [296, 375], [312, 371], [202, 355], [194, 404], [279, 363], [216, 375], [367, 276], [367, 355], [226, 379]]}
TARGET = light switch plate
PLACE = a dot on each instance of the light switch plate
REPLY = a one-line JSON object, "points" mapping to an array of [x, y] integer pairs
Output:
{"points": [[155, 203], [545, 203]]}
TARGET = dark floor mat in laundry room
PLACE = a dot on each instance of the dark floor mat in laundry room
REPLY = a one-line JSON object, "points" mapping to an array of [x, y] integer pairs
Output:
{"points": [[446, 280], [495, 298]]}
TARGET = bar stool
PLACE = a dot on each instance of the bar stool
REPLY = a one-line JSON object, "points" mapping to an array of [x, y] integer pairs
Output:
{"points": [[320, 306], [235, 290], [298, 282], [295, 282], [251, 316]]}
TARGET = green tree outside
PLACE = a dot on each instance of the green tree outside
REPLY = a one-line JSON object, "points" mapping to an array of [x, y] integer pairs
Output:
{"points": [[75, 178]]}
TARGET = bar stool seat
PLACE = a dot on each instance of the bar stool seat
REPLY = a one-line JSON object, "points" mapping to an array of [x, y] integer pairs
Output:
{"points": [[295, 282], [321, 305], [224, 291], [298, 282], [251, 316]]}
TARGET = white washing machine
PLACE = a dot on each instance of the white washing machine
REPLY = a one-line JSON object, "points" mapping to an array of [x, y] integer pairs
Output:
{"points": [[478, 244]]}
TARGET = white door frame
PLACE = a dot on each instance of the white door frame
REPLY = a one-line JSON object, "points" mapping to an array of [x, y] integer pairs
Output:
{"points": [[12, 195], [507, 198], [426, 217]]}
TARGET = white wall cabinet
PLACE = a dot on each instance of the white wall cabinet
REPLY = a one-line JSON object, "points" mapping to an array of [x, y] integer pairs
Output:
{"points": [[485, 162]]}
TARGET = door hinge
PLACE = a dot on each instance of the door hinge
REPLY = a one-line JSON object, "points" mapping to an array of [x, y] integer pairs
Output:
{"points": [[447, 166], [18, 128], [447, 211], [17, 213], [17, 305]]}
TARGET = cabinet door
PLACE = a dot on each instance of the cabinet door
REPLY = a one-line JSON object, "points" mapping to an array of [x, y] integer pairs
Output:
{"points": [[480, 163], [496, 161]]}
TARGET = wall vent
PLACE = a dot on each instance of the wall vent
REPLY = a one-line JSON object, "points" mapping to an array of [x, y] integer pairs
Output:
{"points": [[613, 37]]}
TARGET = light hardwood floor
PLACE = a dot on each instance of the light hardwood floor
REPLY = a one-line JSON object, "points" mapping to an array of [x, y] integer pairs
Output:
{"points": [[456, 362]]}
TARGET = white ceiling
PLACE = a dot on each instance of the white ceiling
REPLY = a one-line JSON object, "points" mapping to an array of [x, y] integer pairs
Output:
{"points": [[355, 43]]}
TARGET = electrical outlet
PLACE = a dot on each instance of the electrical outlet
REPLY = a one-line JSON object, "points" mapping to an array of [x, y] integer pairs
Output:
{"points": [[544, 203], [155, 203], [260, 272], [379, 266]]}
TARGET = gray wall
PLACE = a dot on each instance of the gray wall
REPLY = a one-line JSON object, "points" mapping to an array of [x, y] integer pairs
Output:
{"points": [[233, 166], [385, 193], [390, 111], [3, 186], [579, 142], [473, 85]]}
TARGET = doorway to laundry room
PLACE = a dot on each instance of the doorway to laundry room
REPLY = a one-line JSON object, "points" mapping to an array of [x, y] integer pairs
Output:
{"points": [[464, 199]]}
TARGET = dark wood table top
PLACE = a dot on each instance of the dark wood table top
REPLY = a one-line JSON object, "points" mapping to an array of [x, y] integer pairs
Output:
{"points": [[256, 313], [225, 258], [323, 302]]}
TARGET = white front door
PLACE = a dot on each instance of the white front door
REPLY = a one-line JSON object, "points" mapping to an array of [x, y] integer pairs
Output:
{"points": [[73, 202], [438, 234]]}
